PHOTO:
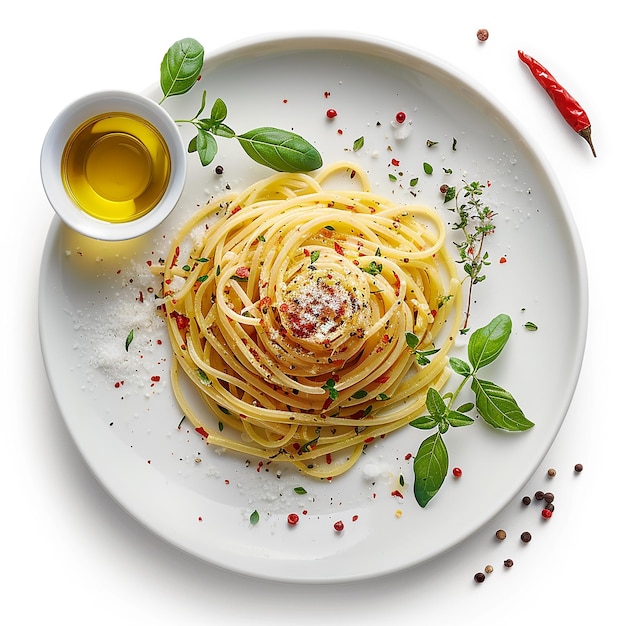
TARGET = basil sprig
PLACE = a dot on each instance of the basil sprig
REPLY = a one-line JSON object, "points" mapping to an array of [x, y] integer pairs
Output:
{"points": [[280, 150], [496, 406]]}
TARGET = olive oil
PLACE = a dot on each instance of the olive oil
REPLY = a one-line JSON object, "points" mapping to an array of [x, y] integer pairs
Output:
{"points": [[116, 167]]}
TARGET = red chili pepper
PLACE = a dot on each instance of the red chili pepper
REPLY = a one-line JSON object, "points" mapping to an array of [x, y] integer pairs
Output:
{"points": [[569, 108]]}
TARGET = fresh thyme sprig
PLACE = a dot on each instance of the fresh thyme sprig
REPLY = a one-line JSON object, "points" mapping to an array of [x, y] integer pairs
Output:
{"points": [[475, 221]]}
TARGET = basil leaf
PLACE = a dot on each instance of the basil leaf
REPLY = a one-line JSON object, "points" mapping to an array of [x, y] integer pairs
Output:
{"points": [[430, 468], [435, 404], [206, 146], [219, 110], [425, 422], [181, 67], [485, 344], [498, 407], [456, 419], [412, 340], [459, 366], [280, 150]]}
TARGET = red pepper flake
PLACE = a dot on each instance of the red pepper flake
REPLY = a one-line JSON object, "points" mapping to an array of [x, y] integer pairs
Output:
{"points": [[235, 210], [408, 456], [326, 94], [199, 518], [202, 432], [502, 259], [397, 494], [457, 472], [381, 380], [293, 519], [284, 307], [339, 249], [155, 379], [285, 101], [355, 518], [149, 263], [368, 440], [331, 113], [339, 131], [338, 526], [259, 466], [329, 459], [395, 162], [243, 272]]}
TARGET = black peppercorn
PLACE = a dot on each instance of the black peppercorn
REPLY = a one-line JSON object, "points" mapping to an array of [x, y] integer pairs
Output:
{"points": [[578, 467], [479, 577], [508, 563], [219, 169], [526, 500], [548, 497], [539, 495], [526, 536]]}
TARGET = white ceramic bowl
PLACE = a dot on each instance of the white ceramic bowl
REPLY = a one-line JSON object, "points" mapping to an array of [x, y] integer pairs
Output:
{"points": [[60, 132]]}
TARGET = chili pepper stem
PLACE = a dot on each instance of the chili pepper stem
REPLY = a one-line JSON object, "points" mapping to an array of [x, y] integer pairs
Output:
{"points": [[585, 133]]}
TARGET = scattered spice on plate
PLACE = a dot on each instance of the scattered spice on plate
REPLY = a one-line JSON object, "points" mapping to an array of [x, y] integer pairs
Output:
{"points": [[482, 34]]}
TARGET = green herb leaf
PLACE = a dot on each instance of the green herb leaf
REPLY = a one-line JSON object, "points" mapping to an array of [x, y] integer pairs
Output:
{"points": [[358, 395], [424, 422], [219, 110], [129, 338], [428, 168], [485, 344], [206, 145], [280, 150], [358, 144], [181, 67], [498, 407], [459, 366], [254, 517], [412, 340], [430, 468], [456, 419], [329, 386], [435, 404], [373, 268], [300, 490], [314, 256], [530, 326]]}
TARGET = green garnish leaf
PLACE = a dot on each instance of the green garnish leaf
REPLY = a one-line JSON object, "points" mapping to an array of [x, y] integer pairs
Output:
{"points": [[486, 344], [129, 338], [424, 422], [459, 366], [329, 386], [531, 326], [181, 67], [430, 468], [254, 517], [498, 407], [300, 490], [280, 150], [315, 255], [428, 168], [358, 144]]}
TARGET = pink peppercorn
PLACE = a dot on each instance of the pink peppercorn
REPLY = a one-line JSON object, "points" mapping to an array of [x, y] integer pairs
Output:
{"points": [[331, 113], [293, 519], [400, 117]]}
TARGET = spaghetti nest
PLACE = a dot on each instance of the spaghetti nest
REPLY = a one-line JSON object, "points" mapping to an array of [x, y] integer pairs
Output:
{"points": [[288, 307]]}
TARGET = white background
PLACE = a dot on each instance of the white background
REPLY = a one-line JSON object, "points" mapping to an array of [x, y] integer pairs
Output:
{"points": [[70, 553]]}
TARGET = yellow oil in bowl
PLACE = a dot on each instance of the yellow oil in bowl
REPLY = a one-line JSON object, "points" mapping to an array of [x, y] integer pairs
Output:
{"points": [[116, 167]]}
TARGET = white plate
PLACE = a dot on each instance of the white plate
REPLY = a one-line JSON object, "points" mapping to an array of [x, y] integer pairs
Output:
{"points": [[200, 500]]}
